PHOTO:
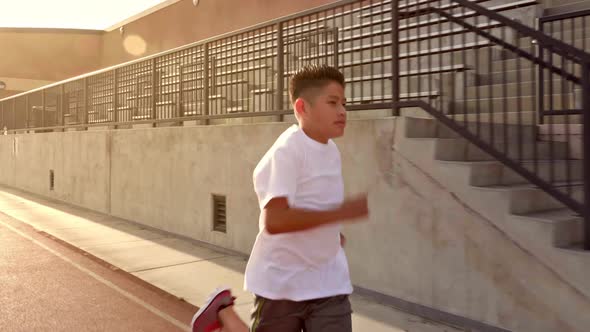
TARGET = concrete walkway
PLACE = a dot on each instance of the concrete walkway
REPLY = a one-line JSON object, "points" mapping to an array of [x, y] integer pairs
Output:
{"points": [[180, 267]]}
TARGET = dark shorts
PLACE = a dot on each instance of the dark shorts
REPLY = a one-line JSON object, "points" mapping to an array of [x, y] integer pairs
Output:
{"points": [[332, 314]]}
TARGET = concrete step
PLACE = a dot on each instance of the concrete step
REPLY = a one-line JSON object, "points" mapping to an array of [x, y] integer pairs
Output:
{"points": [[376, 52], [416, 127], [72, 118], [567, 26], [128, 113], [217, 105], [290, 30], [504, 63], [412, 41], [172, 84], [500, 104], [241, 72], [408, 84], [501, 65], [581, 42], [490, 173], [516, 89], [233, 92], [262, 44], [514, 132], [522, 117], [257, 58], [409, 6], [383, 34], [263, 100], [382, 65], [435, 21], [510, 76], [526, 198], [369, 99], [458, 149], [563, 228]]}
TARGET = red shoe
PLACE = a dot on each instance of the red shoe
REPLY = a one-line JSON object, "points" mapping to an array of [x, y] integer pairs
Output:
{"points": [[206, 319]]}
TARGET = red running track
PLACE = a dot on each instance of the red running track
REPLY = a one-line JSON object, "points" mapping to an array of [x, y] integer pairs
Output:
{"points": [[48, 285]]}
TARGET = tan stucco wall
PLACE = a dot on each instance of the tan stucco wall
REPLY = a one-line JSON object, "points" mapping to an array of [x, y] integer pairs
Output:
{"points": [[48, 54], [183, 23], [42, 56]]}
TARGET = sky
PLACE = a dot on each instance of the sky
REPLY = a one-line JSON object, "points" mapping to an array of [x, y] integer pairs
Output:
{"points": [[69, 14]]}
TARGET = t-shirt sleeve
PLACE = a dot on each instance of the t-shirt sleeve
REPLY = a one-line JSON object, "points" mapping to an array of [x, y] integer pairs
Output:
{"points": [[276, 176]]}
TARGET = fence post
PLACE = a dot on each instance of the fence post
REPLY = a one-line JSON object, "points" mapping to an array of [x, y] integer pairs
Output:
{"points": [[27, 113], [541, 79], [115, 97], [395, 57], [62, 105], [86, 102], [206, 82], [586, 149], [336, 39], [280, 70], [14, 113], [180, 104], [154, 95], [43, 108]]}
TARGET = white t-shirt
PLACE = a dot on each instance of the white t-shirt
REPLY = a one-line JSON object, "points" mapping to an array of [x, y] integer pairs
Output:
{"points": [[308, 264]]}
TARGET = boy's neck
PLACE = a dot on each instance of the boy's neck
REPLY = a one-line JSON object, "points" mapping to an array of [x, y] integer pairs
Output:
{"points": [[314, 136]]}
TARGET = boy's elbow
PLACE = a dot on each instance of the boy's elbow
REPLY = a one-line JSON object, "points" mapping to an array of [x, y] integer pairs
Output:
{"points": [[271, 229], [270, 226], [273, 213]]}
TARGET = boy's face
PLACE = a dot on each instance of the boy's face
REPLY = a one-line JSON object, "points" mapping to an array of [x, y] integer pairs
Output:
{"points": [[326, 114]]}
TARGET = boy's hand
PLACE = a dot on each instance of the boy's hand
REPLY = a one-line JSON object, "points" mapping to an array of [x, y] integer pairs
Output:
{"points": [[355, 208], [342, 240]]}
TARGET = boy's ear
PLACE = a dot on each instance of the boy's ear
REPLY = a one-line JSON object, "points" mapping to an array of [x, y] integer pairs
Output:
{"points": [[299, 106]]}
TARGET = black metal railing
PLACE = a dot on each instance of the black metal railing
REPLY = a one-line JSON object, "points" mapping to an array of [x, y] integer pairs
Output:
{"points": [[490, 96], [245, 73], [240, 74], [572, 28]]}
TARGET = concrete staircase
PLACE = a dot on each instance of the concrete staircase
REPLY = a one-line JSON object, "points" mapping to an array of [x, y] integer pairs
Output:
{"points": [[529, 216]]}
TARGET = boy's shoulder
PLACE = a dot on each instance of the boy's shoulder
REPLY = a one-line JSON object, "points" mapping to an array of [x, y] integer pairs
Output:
{"points": [[288, 142], [286, 149]]}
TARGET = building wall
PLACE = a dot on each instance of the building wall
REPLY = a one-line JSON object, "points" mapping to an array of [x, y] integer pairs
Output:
{"points": [[182, 23], [31, 58]]}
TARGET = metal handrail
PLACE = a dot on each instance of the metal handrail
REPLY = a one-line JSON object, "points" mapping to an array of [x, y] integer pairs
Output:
{"points": [[564, 16], [556, 46]]}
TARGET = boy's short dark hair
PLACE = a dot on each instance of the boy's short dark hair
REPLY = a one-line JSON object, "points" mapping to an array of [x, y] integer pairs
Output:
{"points": [[313, 77]]}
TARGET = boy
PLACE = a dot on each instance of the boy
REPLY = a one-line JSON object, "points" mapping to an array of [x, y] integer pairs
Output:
{"points": [[298, 270]]}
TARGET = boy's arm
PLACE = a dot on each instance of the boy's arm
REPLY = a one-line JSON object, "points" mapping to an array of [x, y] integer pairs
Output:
{"points": [[280, 218]]}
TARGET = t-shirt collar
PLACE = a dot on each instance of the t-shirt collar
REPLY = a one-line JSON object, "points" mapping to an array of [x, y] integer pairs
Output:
{"points": [[310, 141]]}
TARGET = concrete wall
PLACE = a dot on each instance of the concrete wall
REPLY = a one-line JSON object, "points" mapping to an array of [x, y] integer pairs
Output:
{"points": [[80, 162], [422, 243]]}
